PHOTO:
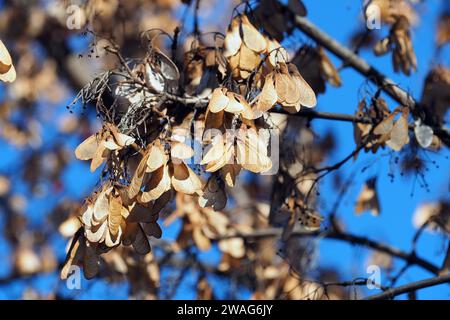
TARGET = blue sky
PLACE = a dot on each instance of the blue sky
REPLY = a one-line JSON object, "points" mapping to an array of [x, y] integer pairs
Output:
{"points": [[393, 226]]}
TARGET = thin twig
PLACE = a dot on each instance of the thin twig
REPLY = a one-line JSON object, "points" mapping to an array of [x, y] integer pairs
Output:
{"points": [[356, 282]]}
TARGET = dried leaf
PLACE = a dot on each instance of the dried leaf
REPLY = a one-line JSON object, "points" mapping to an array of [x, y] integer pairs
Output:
{"points": [[247, 113], [141, 213], [113, 240], [99, 157], [382, 47], [96, 234], [161, 202], [153, 79], [227, 153], [248, 61], [282, 83], [328, 71], [215, 151], [443, 29]]}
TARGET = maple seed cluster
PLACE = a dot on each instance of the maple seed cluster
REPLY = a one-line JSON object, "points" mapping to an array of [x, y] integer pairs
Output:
{"points": [[400, 15], [251, 75]]}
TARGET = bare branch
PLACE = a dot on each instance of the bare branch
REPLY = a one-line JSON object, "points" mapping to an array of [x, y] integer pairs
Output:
{"points": [[311, 114], [411, 258], [410, 287], [305, 113]]}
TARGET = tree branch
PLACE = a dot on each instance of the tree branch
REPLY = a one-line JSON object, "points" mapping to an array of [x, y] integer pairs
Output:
{"points": [[410, 287], [306, 113], [312, 114], [352, 283], [411, 258], [368, 71]]}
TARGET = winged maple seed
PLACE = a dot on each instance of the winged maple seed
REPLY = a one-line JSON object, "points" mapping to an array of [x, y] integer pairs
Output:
{"points": [[224, 100], [103, 217], [165, 172], [230, 152], [399, 136], [368, 199], [243, 46], [98, 146], [388, 131], [286, 86], [399, 41], [7, 70], [401, 15]]}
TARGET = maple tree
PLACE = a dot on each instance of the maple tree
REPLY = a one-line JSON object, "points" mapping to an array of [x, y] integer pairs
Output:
{"points": [[212, 130]]}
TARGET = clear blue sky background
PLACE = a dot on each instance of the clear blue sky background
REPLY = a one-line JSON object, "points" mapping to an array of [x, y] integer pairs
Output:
{"points": [[338, 18]]}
